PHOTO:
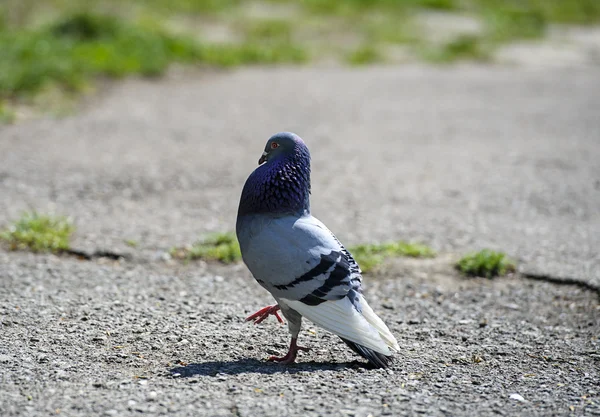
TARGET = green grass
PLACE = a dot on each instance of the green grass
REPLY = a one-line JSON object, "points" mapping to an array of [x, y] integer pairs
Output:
{"points": [[485, 263], [390, 29], [7, 115], [74, 50], [269, 30], [222, 247], [582, 12], [370, 256], [504, 24], [364, 55], [354, 7], [560, 11], [252, 53], [189, 6], [465, 47], [39, 233]]}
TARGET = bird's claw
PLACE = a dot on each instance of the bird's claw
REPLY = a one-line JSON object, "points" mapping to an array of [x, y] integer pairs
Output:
{"points": [[285, 360], [289, 357], [263, 313]]}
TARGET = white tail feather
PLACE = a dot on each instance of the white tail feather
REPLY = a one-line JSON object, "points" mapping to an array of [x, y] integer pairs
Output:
{"points": [[376, 322], [341, 318]]}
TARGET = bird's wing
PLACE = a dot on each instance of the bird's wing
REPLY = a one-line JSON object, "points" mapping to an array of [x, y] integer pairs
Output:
{"points": [[298, 258]]}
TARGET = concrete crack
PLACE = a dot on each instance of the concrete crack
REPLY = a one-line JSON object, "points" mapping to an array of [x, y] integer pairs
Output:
{"points": [[562, 281]]}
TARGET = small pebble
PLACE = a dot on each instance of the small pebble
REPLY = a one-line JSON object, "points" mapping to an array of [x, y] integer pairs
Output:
{"points": [[517, 397]]}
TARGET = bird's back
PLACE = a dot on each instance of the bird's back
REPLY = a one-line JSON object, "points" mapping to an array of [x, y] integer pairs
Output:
{"points": [[279, 250]]}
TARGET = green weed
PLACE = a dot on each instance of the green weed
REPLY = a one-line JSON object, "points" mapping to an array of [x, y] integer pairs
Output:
{"points": [[221, 247], [505, 24], [355, 7], [463, 47], [190, 6], [7, 115], [364, 55], [269, 30], [371, 256], [390, 29], [486, 263], [584, 12], [252, 53], [39, 233], [550, 11]]}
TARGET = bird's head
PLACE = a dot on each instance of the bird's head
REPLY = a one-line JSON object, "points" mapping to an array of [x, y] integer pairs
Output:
{"points": [[282, 144]]}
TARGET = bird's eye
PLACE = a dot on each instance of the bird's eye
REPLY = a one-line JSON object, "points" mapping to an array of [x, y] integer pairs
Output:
{"points": [[274, 145]]}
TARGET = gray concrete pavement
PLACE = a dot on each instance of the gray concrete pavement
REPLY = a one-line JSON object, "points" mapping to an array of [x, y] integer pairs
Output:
{"points": [[459, 158]]}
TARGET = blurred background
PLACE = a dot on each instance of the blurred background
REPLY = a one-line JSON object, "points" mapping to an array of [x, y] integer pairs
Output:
{"points": [[53, 50]]}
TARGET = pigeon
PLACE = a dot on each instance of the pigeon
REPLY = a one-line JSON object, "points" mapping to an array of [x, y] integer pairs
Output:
{"points": [[300, 261]]}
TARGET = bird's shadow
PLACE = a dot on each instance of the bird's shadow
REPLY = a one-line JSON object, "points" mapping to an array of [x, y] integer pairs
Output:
{"points": [[249, 366]]}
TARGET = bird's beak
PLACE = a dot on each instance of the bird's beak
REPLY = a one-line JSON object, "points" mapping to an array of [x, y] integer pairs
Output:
{"points": [[263, 158]]}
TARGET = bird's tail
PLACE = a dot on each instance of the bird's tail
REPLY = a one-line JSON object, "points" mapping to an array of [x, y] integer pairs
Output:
{"points": [[376, 322], [378, 360]]}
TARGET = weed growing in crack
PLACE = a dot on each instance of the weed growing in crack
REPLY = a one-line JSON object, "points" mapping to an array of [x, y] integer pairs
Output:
{"points": [[39, 233], [222, 247], [486, 263]]}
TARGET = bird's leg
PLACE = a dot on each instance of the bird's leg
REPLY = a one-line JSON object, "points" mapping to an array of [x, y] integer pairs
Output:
{"points": [[263, 313], [289, 357]]}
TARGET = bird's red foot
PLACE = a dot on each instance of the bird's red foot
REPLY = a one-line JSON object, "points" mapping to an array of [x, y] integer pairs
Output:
{"points": [[289, 357], [263, 313]]}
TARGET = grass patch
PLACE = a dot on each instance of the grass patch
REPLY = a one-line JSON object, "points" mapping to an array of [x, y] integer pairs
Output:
{"points": [[81, 46], [356, 7], [463, 47], [370, 257], [231, 55], [581, 12], [486, 263], [71, 51], [269, 30], [506, 24], [222, 247], [7, 115], [190, 6], [364, 55], [390, 29], [559, 11], [39, 233]]}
